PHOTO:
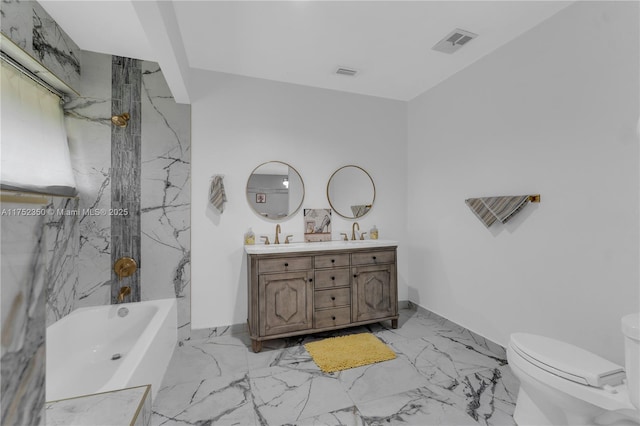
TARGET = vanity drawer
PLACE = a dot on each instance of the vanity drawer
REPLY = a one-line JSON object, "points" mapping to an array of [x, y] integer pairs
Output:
{"points": [[373, 258], [332, 278], [332, 261], [332, 297], [332, 317], [284, 264]]}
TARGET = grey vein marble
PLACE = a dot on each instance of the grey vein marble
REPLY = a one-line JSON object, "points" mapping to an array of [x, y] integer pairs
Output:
{"points": [[224, 400], [87, 120], [54, 48], [415, 407], [488, 396], [22, 362], [120, 407], [62, 240], [287, 387], [349, 416], [207, 358], [84, 109], [17, 22], [398, 375], [284, 394], [165, 202]]}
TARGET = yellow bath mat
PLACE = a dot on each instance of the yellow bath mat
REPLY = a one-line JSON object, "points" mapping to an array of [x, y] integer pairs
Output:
{"points": [[343, 352]]}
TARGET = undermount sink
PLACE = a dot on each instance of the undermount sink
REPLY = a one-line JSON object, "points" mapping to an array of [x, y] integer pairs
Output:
{"points": [[324, 245]]}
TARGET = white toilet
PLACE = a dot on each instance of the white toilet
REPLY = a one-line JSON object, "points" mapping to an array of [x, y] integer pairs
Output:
{"points": [[561, 384]]}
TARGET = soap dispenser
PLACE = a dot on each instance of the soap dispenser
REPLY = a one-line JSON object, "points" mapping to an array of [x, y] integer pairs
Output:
{"points": [[373, 233], [249, 238]]}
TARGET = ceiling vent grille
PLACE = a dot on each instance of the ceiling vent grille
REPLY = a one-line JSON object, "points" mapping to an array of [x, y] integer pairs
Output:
{"points": [[346, 71], [454, 41]]}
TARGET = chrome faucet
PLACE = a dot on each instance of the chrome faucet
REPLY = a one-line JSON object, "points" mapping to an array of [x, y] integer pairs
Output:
{"points": [[277, 240], [353, 230], [124, 291]]}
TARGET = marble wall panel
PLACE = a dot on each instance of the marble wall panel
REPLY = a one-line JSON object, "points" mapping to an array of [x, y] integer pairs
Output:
{"points": [[129, 406], [22, 298], [166, 199], [163, 191], [61, 256], [54, 48], [29, 26], [88, 123], [16, 22]]}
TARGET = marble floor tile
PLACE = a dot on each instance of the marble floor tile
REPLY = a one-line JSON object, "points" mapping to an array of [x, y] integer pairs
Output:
{"points": [[489, 396], [349, 416], [294, 357], [224, 400], [417, 407], [285, 395], [442, 360], [443, 375], [195, 360], [382, 379]]}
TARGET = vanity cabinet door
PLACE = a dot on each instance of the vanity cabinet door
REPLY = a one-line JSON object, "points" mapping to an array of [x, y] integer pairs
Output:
{"points": [[374, 292], [286, 302]]}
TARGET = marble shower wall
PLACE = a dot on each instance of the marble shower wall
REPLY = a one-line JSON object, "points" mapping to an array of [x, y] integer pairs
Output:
{"points": [[62, 240], [29, 26], [38, 252], [163, 194], [87, 120], [166, 196], [22, 297]]}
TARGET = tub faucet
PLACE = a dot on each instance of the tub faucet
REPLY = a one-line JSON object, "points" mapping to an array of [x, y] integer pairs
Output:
{"points": [[277, 240], [124, 291], [353, 230]]}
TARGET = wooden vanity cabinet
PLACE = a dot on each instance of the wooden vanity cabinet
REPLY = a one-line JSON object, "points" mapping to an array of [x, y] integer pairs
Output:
{"points": [[306, 292]]}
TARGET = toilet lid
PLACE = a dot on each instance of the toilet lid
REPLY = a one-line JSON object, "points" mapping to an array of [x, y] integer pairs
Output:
{"points": [[567, 361]]}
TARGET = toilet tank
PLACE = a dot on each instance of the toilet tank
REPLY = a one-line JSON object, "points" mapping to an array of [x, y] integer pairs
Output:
{"points": [[631, 331]]}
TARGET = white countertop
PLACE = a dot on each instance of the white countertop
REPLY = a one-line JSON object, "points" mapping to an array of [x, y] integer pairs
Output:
{"points": [[319, 246]]}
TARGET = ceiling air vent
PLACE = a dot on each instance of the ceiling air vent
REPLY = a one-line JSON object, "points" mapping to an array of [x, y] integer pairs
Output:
{"points": [[454, 41], [346, 71]]}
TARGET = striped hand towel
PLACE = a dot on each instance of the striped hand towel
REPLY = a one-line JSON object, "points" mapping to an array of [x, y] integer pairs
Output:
{"points": [[217, 196], [490, 209], [360, 209]]}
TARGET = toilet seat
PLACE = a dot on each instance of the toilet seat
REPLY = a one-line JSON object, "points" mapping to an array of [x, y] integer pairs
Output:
{"points": [[607, 397], [567, 361]]}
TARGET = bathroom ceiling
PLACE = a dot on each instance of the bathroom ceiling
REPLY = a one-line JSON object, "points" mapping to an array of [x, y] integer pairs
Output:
{"points": [[301, 42]]}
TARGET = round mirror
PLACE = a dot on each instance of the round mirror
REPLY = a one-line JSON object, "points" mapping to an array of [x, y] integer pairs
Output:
{"points": [[351, 192], [275, 190]]}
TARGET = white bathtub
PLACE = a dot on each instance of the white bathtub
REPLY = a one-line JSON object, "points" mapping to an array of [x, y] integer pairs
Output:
{"points": [[80, 348]]}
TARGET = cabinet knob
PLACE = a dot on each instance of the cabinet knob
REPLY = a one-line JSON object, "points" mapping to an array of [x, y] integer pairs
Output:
{"points": [[333, 278], [333, 317], [310, 280], [333, 261], [286, 264], [333, 298], [355, 275], [374, 258]]}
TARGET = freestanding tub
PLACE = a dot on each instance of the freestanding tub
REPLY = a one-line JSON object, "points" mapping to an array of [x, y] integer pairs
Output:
{"points": [[104, 348]]}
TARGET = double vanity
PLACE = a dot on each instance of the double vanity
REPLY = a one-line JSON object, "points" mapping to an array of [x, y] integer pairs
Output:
{"points": [[303, 288]]}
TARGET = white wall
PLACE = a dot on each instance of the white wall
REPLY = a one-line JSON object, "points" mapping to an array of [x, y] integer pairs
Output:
{"points": [[554, 112], [240, 122]]}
